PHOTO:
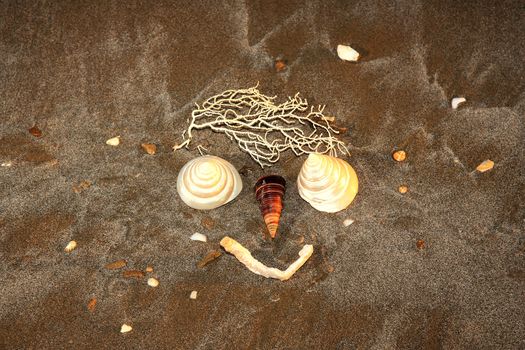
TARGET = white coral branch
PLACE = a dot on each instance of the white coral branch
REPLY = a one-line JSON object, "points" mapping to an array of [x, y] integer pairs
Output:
{"points": [[264, 129]]}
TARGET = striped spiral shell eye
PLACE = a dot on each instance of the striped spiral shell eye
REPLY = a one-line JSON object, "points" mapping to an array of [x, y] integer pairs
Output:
{"points": [[329, 184], [208, 182]]}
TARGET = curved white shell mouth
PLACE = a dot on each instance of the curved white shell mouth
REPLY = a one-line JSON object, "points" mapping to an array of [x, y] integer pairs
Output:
{"points": [[208, 182], [328, 183]]}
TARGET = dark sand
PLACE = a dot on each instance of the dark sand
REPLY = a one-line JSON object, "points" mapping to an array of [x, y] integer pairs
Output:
{"points": [[86, 71]]}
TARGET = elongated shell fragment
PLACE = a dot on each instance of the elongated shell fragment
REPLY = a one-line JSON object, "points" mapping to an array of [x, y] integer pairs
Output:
{"points": [[329, 184], [208, 182]]}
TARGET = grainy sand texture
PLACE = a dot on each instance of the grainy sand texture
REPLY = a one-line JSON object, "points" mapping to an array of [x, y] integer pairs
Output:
{"points": [[441, 266]]}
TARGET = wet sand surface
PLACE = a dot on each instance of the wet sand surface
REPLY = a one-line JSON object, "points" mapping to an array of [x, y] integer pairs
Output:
{"points": [[442, 266]]}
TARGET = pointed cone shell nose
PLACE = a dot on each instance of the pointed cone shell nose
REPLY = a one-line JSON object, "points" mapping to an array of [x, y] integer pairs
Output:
{"points": [[269, 192]]}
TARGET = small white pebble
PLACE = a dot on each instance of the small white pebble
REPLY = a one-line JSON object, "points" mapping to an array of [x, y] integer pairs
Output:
{"points": [[125, 328], [348, 222], [70, 246], [347, 53], [153, 282], [193, 295], [114, 141], [7, 164], [198, 237], [456, 101]]}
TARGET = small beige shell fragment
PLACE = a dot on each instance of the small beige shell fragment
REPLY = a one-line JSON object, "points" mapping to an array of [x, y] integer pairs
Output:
{"points": [[456, 101], [348, 222], [125, 328], [70, 246], [153, 282], [347, 53], [114, 141], [198, 237], [485, 166], [7, 164], [193, 295]]}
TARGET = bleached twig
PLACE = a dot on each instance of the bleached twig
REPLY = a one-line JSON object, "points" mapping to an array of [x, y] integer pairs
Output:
{"points": [[257, 267], [264, 129]]}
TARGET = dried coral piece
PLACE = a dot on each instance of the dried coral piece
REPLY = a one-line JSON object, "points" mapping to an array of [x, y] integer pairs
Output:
{"points": [[244, 256], [36, 132], [211, 256], [116, 264], [72, 245], [269, 192], [114, 141], [92, 304], [208, 182], [403, 189], [149, 148], [328, 183], [485, 166], [133, 274], [399, 156]]}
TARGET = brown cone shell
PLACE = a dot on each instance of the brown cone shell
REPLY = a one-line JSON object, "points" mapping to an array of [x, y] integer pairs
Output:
{"points": [[269, 192]]}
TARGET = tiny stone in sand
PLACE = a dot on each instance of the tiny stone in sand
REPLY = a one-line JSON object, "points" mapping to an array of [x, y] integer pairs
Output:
{"points": [[70, 246], [403, 189], [125, 328], [114, 141], [346, 53], [485, 166], [149, 269], [153, 282], [348, 222], [399, 156], [149, 148], [198, 237], [193, 295]]}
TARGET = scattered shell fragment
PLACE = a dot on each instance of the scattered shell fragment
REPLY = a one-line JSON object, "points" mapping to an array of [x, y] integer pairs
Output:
{"points": [[149, 269], [125, 328], [208, 222], [399, 156], [83, 185], [133, 274], [193, 295], [208, 182], [348, 222], [328, 183], [149, 148], [114, 141], [244, 256], [116, 264], [403, 189], [36, 132], [91, 304], [420, 244], [280, 65], [70, 246], [7, 164], [153, 282], [456, 101], [214, 254], [198, 237], [347, 53], [485, 166]]}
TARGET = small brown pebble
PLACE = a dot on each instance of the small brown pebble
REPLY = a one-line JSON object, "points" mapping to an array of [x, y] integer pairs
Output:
{"points": [[420, 244], [403, 189], [208, 222], [329, 268], [399, 156], [149, 269], [149, 148], [280, 65], [133, 274], [485, 166], [116, 264], [214, 254], [36, 132], [91, 304], [83, 185]]}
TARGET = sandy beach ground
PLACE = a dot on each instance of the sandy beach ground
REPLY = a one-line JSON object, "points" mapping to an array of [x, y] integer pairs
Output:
{"points": [[440, 267]]}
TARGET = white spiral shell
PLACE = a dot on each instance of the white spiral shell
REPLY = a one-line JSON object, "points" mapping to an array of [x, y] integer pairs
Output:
{"points": [[208, 182], [329, 184]]}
